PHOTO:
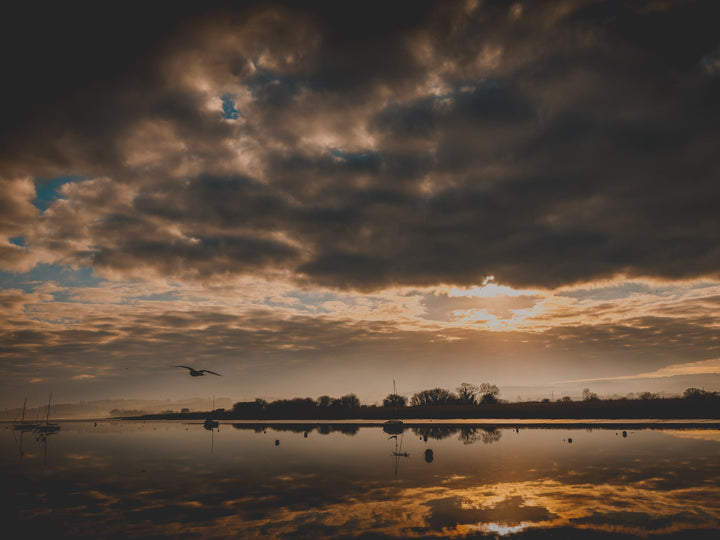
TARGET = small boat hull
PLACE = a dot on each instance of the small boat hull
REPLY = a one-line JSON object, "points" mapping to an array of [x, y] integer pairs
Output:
{"points": [[210, 424], [48, 428], [25, 427]]}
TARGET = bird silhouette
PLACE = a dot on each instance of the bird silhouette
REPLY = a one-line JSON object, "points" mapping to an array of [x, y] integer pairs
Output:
{"points": [[199, 372]]}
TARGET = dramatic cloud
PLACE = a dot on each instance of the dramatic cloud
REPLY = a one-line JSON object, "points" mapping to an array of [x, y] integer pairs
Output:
{"points": [[17, 213], [373, 166], [462, 144], [97, 338]]}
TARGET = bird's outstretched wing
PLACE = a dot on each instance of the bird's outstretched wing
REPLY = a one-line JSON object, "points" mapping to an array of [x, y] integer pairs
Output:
{"points": [[186, 367], [211, 372]]}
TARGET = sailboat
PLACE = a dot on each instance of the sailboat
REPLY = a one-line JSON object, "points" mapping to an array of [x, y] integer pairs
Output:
{"points": [[210, 422], [47, 427], [394, 425], [24, 426]]}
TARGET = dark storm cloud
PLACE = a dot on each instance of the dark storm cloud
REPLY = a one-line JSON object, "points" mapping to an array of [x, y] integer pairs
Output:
{"points": [[358, 146], [196, 259]]}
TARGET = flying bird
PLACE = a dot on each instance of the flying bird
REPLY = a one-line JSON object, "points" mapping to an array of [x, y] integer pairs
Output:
{"points": [[199, 372]]}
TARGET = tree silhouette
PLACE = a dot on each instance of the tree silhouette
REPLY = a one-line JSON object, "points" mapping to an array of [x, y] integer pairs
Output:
{"points": [[697, 393], [394, 400], [589, 396], [489, 393], [348, 401], [435, 396], [297, 403], [466, 393], [324, 401]]}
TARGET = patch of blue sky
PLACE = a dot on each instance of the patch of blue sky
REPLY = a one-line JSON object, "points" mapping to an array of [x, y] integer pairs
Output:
{"points": [[473, 90], [368, 158], [47, 190], [64, 276], [310, 302], [168, 296], [264, 77], [607, 293], [18, 241], [469, 86], [63, 321], [52, 318], [228, 107], [624, 290]]}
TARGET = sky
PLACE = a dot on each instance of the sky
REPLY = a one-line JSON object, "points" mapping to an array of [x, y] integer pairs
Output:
{"points": [[323, 197]]}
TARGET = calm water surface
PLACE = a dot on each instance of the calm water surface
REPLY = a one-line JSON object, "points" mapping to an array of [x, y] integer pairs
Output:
{"points": [[178, 480]]}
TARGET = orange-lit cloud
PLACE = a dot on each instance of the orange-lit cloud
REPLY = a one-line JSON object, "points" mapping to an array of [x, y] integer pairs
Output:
{"points": [[264, 183], [691, 368]]}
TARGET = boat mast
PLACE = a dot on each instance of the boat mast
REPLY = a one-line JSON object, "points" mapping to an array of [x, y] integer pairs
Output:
{"points": [[22, 420], [47, 416], [395, 399]]}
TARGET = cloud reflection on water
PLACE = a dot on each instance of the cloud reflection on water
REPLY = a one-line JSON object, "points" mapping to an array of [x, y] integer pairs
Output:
{"points": [[456, 511], [166, 483]]}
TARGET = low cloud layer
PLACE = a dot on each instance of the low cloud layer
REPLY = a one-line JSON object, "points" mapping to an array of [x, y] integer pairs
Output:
{"points": [[121, 339]]}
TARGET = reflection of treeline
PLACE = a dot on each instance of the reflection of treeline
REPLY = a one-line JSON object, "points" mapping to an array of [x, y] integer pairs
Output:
{"points": [[322, 429], [466, 434]]}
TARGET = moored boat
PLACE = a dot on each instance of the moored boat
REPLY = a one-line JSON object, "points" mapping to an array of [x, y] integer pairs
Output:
{"points": [[23, 425], [394, 425], [47, 427]]}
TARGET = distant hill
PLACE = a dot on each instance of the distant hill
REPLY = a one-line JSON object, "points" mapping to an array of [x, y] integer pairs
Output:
{"points": [[103, 408]]}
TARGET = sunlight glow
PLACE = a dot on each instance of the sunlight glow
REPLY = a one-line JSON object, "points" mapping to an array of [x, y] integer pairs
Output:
{"points": [[503, 530], [491, 290]]}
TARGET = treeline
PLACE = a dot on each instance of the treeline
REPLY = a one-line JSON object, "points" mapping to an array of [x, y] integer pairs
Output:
{"points": [[464, 394], [468, 401], [689, 393], [127, 412], [348, 401]]}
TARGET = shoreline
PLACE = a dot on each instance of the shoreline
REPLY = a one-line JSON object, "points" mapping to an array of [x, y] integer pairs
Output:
{"points": [[594, 412], [485, 423]]}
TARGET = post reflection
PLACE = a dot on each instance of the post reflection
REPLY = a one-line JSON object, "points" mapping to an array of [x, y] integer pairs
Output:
{"points": [[332, 480]]}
